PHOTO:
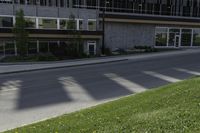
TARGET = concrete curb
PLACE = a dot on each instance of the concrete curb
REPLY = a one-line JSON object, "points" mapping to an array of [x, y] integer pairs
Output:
{"points": [[64, 66], [85, 62]]}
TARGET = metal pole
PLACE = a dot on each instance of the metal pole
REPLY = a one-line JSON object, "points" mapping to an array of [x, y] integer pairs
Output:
{"points": [[103, 26], [103, 37]]}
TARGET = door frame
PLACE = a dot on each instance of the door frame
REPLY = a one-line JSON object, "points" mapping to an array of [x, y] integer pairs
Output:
{"points": [[94, 43], [177, 38]]}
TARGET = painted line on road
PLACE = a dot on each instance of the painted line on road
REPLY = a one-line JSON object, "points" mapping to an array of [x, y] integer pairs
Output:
{"points": [[10, 86], [188, 71], [161, 76], [130, 85], [75, 90]]}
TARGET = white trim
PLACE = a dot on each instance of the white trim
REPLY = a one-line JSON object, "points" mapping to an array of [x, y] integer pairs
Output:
{"points": [[7, 15], [94, 43], [78, 24]]}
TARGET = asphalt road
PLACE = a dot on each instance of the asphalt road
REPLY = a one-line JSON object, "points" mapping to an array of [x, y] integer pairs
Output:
{"points": [[33, 96]]}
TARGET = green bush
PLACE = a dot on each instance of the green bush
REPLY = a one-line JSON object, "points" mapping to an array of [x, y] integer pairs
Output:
{"points": [[108, 51], [46, 57], [30, 58]]}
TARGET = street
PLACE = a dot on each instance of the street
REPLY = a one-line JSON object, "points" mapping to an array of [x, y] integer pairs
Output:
{"points": [[33, 96]]}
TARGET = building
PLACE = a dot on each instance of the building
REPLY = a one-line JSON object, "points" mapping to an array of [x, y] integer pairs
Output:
{"points": [[128, 23]]}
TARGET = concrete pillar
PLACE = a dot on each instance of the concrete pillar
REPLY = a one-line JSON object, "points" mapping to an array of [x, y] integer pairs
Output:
{"points": [[15, 48], [38, 46], [58, 23], [4, 48], [37, 23]]}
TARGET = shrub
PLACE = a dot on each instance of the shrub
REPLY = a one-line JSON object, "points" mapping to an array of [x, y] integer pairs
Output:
{"points": [[39, 57], [108, 51]]}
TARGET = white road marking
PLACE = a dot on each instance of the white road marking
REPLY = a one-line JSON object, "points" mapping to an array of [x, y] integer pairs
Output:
{"points": [[75, 90], [161, 76], [10, 86], [188, 71], [133, 87]]}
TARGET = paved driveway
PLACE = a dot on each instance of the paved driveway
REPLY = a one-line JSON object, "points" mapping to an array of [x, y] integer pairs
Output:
{"points": [[34, 96]]}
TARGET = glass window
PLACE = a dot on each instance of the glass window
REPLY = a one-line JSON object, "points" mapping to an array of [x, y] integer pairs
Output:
{"points": [[186, 37], [1, 48], [196, 37], [80, 24], [30, 22], [9, 47], [6, 22], [161, 39], [67, 24], [47, 23], [32, 47], [63, 24], [91, 25], [44, 47], [161, 36], [54, 47]]}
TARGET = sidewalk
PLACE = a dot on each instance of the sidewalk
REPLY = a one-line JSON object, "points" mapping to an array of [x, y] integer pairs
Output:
{"points": [[6, 68]]}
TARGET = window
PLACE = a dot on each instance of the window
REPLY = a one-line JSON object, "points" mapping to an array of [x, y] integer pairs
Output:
{"points": [[80, 24], [1, 48], [32, 47], [54, 47], [44, 47], [30, 22], [196, 37], [67, 24], [186, 37], [92, 25], [6, 21], [161, 36], [9, 47], [6, 1], [47, 23]]}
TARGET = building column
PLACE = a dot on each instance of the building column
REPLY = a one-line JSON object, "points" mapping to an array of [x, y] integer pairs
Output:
{"points": [[15, 48], [4, 48], [38, 46], [37, 23], [48, 47], [192, 36], [58, 23]]}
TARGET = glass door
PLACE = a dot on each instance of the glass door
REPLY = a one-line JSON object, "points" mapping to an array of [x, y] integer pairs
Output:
{"points": [[177, 41], [174, 38], [91, 48]]}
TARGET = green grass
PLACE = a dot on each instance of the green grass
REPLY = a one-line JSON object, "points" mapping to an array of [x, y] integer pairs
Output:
{"points": [[170, 109]]}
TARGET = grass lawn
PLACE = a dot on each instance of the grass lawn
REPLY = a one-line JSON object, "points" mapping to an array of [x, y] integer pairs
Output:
{"points": [[170, 109]]}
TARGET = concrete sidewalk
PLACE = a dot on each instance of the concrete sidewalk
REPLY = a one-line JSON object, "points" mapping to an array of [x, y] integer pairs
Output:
{"points": [[6, 68]]}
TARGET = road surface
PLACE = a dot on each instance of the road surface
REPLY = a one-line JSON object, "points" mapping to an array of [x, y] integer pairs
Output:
{"points": [[33, 96]]}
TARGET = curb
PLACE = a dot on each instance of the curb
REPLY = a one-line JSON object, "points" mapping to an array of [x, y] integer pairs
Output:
{"points": [[67, 66], [123, 58]]}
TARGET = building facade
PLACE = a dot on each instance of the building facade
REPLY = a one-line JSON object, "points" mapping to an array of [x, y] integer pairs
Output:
{"points": [[128, 23]]}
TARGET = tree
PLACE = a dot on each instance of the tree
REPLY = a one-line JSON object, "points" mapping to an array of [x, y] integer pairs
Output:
{"points": [[76, 41], [20, 33]]}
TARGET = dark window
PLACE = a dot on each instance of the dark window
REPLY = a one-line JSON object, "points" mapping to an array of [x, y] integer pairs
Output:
{"points": [[6, 22]]}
